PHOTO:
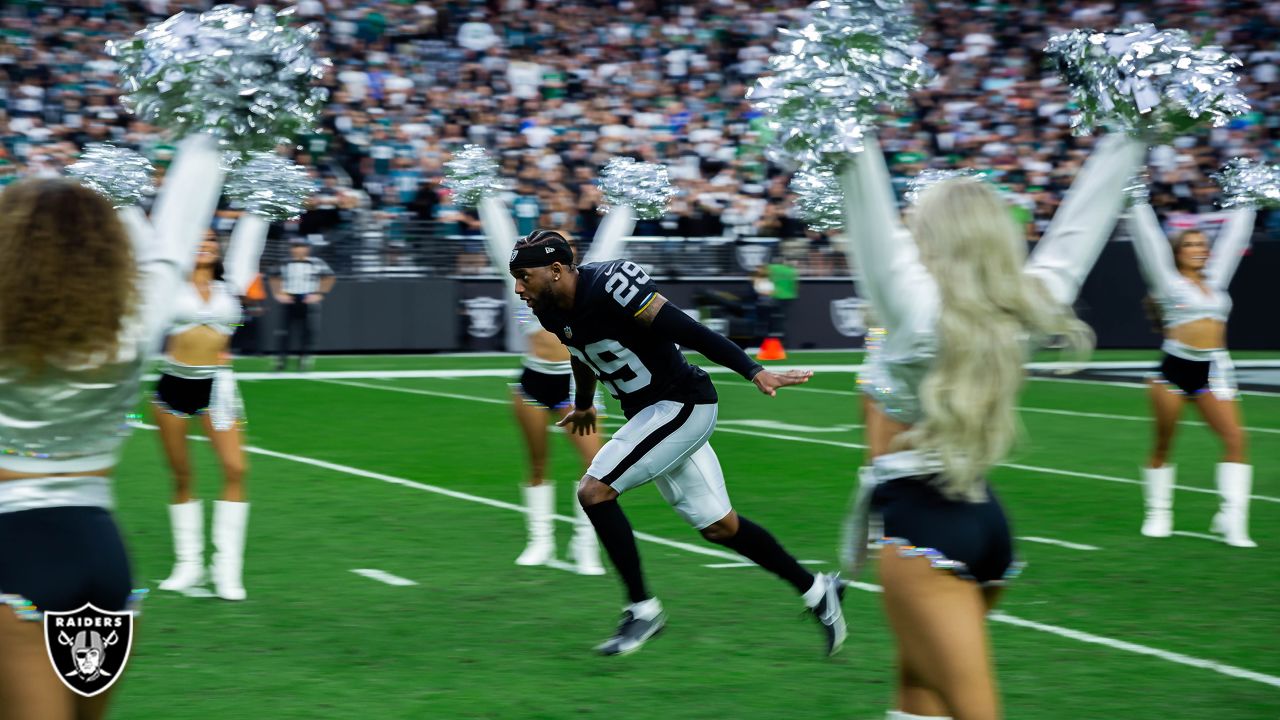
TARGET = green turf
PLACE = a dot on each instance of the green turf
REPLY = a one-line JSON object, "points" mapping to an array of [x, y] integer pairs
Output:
{"points": [[478, 637]]}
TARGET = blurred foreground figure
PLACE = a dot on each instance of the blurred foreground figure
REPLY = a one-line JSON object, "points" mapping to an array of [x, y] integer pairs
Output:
{"points": [[84, 300], [960, 307]]}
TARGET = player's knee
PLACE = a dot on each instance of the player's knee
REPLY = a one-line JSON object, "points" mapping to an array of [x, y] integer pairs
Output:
{"points": [[593, 492], [721, 531]]}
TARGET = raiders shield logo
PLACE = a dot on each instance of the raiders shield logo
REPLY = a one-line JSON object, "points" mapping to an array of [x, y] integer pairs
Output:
{"points": [[88, 647], [753, 255], [847, 317], [486, 315]]}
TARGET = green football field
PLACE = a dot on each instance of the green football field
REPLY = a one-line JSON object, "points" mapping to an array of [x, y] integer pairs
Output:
{"points": [[411, 466]]}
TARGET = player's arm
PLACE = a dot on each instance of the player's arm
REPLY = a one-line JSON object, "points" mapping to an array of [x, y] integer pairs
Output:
{"points": [[582, 420], [670, 322]]}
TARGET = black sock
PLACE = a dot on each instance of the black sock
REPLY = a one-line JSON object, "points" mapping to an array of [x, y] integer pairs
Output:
{"points": [[615, 534], [757, 545]]}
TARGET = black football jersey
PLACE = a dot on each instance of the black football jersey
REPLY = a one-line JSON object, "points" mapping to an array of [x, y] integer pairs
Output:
{"points": [[638, 367]]}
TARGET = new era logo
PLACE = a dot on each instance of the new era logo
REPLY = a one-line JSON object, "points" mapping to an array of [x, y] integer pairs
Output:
{"points": [[548, 251]]}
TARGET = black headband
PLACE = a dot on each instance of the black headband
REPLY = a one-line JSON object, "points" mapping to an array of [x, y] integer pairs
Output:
{"points": [[531, 256]]}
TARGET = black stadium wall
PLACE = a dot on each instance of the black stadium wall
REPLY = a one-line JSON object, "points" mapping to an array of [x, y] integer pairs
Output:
{"points": [[443, 314]]}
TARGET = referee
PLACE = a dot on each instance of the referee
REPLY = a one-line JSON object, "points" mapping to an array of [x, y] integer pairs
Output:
{"points": [[299, 284]]}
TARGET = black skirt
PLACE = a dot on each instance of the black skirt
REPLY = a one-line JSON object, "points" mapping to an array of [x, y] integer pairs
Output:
{"points": [[1189, 376], [70, 556], [549, 391], [181, 396], [971, 539]]}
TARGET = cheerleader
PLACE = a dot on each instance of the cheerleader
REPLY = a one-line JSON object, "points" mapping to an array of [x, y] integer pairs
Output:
{"points": [[958, 307], [72, 355], [196, 380], [545, 394], [1188, 285]]}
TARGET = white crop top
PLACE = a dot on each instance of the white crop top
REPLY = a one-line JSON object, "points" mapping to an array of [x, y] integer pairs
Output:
{"points": [[222, 310], [1181, 300], [74, 419], [905, 296]]}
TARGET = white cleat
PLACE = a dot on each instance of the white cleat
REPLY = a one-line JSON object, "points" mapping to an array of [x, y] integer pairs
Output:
{"points": [[640, 622]]}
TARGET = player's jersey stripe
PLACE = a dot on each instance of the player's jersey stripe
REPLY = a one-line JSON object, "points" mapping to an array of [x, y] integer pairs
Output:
{"points": [[646, 302], [650, 441]]}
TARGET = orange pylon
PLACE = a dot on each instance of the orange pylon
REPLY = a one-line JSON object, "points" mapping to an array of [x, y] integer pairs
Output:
{"points": [[771, 349]]}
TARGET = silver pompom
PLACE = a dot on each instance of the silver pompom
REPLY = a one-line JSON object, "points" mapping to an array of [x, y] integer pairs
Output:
{"points": [[929, 177], [119, 174], [819, 197], [834, 75], [642, 186], [1247, 183], [471, 175], [270, 186], [247, 78], [1147, 81], [1138, 191]]}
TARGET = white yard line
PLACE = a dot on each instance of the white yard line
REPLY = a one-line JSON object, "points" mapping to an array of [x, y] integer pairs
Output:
{"points": [[1059, 543], [1136, 385], [1048, 411], [384, 577], [731, 565], [1177, 658], [1198, 536], [858, 446], [1172, 657], [416, 391]]}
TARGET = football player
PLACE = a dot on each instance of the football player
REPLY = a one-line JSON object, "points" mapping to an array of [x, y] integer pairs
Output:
{"points": [[621, 330]]}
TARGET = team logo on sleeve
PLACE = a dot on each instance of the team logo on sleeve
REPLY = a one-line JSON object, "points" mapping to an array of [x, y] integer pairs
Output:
{"points": [[848, 318], [88, 647]]}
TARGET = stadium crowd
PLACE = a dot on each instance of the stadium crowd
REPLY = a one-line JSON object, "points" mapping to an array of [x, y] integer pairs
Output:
{"points": [[556, 88]]}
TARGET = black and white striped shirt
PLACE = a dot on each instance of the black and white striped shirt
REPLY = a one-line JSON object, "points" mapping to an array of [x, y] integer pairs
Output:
{"points": [[302, 277]]}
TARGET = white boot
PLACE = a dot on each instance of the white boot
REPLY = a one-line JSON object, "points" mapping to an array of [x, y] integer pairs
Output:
{"points": [[899, 715], [1157, 488], [585, 548], [1235, 482], [187, 522], [230, 520], [540, 501]]}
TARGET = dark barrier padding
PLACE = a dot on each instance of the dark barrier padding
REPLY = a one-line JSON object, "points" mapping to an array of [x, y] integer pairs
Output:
{"points": [[450, 314], [381, 316]]}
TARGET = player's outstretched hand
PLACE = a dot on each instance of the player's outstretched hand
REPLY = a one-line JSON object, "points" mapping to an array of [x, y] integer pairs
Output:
{"points": [[769, 382], [580, 422]]}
